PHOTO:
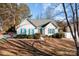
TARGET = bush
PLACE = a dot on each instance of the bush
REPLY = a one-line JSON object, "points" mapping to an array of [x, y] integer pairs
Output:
{"points": [[59, 35], [54, 36], [37, 36], [46, 36], [25, 36], [30, 36], [50, 36], [21, 36]]}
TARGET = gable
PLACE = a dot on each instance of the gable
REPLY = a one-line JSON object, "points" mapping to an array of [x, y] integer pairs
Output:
{"points": [[26, 22], [50, 25]]}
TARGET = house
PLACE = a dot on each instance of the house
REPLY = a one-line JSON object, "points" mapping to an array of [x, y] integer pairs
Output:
{"points": [[68, 32], [30, 27]]}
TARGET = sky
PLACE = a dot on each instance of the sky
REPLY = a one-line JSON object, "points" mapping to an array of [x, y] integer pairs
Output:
{"points": [[35, 9], [40, 8]]}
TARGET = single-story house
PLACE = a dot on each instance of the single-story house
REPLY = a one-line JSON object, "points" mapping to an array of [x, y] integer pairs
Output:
{"points": [[68, 32], [30, 27]]}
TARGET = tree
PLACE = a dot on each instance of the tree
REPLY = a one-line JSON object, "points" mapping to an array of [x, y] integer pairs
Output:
{"points": [[11, 14], [74, 31], [48, 13], [24, 10], [62, 25]]}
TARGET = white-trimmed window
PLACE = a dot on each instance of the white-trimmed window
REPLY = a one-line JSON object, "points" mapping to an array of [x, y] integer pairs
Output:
{"points": [[51, 31]]}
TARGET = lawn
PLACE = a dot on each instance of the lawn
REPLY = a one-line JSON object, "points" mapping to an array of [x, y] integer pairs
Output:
{"points": [[33, 47]]}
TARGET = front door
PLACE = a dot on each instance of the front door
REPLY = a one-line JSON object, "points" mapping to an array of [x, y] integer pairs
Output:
{"points": [[42, 31]]}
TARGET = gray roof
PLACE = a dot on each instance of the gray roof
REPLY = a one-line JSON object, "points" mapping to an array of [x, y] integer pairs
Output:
{"points": [[41, 22]]}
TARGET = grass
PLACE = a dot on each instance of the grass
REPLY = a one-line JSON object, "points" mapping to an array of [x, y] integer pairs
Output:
{"points": [[51, 46]]}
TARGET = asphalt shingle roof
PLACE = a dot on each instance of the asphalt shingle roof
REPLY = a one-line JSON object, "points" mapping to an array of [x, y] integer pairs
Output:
{"points": [[42, 22]]}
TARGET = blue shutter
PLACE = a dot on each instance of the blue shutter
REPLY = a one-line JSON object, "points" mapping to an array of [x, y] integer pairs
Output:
{"points": [[24, 31], [28, 31], [21, 31]]}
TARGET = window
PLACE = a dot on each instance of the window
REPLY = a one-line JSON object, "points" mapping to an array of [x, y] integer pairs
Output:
{"points": [[51, 31], [30, 31], [22, 31]]}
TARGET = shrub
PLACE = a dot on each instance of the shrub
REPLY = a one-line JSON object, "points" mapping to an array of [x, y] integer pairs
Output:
{"points": [[53, 36], [50, 36], [37, 36], [21, 36], [59, 35], [25, 36], [30, 36], [46, 36]]}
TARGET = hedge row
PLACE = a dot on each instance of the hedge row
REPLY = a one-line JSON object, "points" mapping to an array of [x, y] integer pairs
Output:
{"points": [[35, 36], [57, 35]]}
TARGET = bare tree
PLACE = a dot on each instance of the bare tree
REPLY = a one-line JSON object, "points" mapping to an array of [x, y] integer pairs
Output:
{"points": [[74, 31], [11, 13], [76, 12]]}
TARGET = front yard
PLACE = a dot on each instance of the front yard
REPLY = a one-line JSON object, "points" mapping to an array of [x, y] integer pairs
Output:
{"points": [[26, 47]]}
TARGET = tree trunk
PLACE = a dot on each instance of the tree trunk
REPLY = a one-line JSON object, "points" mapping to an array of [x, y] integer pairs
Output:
{"points": [[73, 18], [76, 12], [74, 37]]}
